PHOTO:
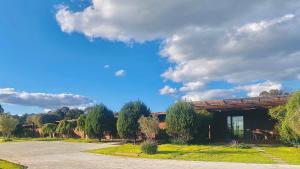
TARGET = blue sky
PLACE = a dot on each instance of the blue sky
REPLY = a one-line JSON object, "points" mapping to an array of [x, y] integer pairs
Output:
{"points": [[45, 48], [36, 56]]}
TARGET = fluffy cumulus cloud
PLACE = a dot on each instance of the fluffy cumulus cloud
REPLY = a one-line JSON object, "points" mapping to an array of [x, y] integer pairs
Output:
{"points": [[167, 90], [43, 100], [238, 41], [255, 89]]}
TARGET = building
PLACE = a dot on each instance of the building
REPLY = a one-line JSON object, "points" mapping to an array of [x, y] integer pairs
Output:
{"points": [[240, 119]]}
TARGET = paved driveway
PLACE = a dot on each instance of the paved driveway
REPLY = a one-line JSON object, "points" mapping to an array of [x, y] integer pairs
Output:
{"points": [[63, 155]]}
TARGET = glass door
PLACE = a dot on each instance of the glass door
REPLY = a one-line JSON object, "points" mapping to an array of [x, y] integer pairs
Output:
{"points": [[235, 125]]}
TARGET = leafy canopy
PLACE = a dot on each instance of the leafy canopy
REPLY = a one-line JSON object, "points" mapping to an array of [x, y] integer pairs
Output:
{"points": [[98, 120], [127, 124], [149, 126], [181, 122], [7, 124]]}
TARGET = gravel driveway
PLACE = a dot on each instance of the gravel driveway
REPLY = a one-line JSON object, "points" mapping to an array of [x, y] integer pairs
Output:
{"points": [[63, 155]]}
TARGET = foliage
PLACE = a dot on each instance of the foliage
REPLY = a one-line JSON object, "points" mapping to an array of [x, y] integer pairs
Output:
{"points": [[49, 129], [7, 125], [149, 126], [149, 147], [98, 120], [66, 113], [288, 117], [294, 121], [48, 118], [65, 128], [272, 93], [243, 146], [181, 122], [293, 102], [73, 114], [278, 112], [163, 137], [127, 124], [1, 109], [81, 122], [34, 119], [61, 113]]}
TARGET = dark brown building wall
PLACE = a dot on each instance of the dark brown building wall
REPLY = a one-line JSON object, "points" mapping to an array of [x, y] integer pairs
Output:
{"points": [[253, 119]]}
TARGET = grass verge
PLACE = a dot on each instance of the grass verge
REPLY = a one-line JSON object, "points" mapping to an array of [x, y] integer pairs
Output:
{"points": [[218, 153], [8, 165]]}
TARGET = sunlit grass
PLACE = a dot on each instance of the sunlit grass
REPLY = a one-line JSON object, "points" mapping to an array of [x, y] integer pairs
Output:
{"points": [[9, 165], [290, 155], [219, 153]]}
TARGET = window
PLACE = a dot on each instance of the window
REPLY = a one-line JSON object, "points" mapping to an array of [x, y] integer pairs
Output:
{"points": [[235, 126]]}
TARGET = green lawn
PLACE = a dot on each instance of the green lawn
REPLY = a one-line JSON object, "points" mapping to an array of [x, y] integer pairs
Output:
{"points": [[53, 139], [9, 165], [220, 153], [289, 154]]}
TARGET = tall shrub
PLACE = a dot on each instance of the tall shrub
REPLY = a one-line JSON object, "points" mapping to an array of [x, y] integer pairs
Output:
{"points": [[127, 124], [149, 126], [65, 128], [181, 122], [288, 117], [98, 120], [7, 125], [49, 129]]}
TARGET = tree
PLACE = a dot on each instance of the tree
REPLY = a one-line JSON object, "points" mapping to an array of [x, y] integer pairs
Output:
{"points": [[7, 124], [98, 120], [288, 117], [49, 129], [73, 114], [34, 119], [149, 126], [81, 123], [1, 109], [272, 93], [61, 113], [65, 128], [48, 118], [181, 122], [127, 124]]}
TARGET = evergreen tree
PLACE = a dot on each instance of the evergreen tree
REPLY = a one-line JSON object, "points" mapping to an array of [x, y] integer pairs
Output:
{"points": [[127, 124]]}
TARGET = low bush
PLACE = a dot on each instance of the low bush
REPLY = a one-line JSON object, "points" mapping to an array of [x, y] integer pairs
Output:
{"points": [[243, 146], [7, 140], [149, 147]]}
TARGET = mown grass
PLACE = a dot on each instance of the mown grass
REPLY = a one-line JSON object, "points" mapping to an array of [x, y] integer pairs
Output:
{"points": [[291, 155], [77, 140], [9, 165], [220, 153]]}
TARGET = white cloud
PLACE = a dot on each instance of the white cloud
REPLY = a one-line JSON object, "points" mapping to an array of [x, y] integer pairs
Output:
{"points": [[210, 94], [255, 89], [236, 41], [106, 66], [120, 73], [191, 86], [166, 90], [42, 100]]}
